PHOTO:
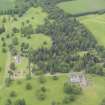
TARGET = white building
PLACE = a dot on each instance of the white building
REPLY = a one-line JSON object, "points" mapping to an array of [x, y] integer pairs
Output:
{"points": [[78, 77]]}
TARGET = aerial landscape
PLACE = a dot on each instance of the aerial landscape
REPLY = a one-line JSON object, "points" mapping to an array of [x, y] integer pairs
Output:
{"points": [[52, 52]]}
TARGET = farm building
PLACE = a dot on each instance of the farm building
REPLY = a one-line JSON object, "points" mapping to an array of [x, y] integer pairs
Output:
{"points": [[78, 77]]}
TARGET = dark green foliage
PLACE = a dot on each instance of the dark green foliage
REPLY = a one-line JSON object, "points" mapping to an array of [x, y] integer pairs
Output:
{"points": [[55, 77], [15, 30], [27, 30], [28, 86], [15, 41], [68, 37], [13, 66], [103, 102], [8, 82], [41, 95], [20, 102], [8, 102], [72, 89], [13, 94], [28, 77], [68, 99], [41, 79], [43, 89], [2, 29]]}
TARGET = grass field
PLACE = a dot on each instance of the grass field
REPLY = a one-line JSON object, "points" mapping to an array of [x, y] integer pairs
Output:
{"points": [[82, 6], [6, 4], [96, 24], [54, 91], [92, 95]]}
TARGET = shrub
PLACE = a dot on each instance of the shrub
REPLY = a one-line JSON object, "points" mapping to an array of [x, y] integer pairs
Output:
{"points": [[43, 89], [103, 102], [8, 82], [55, 77], [41, 95], [20, 102], [13, 94], [72, 88], [68, 99], [28, 86], [19, 82], [8, 102], [53, 103], [4, 50], [28, 77], [41, 79]]}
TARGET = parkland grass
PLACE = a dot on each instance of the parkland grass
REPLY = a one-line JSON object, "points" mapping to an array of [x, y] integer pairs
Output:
{"points": [[92, 95]]}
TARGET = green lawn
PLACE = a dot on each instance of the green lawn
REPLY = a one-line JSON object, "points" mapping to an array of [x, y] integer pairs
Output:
{"points": [[82, 6], [96, 24], [92, 95]]}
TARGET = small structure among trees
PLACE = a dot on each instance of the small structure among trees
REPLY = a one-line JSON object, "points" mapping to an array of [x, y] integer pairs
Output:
{"points": [[17, 59], [78, 78]]}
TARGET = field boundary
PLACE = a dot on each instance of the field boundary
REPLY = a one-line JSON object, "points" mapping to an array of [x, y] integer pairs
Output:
{"points": [[99, 12]]}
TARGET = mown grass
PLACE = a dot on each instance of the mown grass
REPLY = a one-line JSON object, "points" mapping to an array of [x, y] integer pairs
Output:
{"points": [[96, 25], [82, 6]]}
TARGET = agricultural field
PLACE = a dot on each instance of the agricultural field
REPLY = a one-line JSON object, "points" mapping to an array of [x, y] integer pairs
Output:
{"points": [[82, 6], [6, 4], [96, 25]]}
